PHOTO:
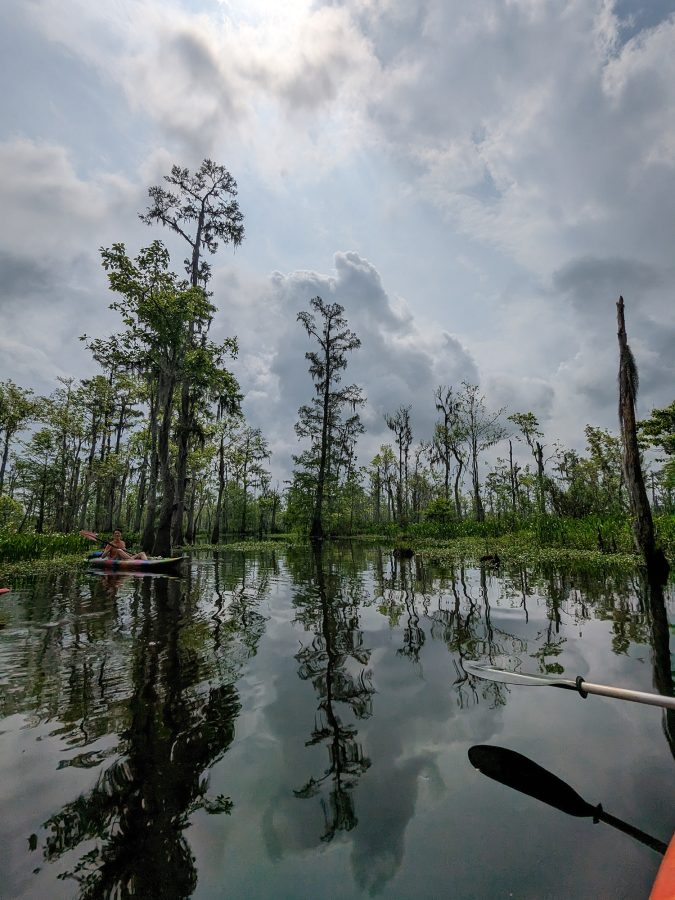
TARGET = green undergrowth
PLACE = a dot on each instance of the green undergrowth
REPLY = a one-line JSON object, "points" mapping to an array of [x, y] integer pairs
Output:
{"points": [[11, 571], [514, 550], [15, 547], [271, 544]]}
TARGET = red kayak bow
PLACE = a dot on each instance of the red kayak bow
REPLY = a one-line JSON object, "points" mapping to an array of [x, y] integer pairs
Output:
{"points": [[664, 886]]}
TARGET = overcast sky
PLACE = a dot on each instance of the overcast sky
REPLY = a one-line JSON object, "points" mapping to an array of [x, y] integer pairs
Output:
{"points": [[475, 182]]}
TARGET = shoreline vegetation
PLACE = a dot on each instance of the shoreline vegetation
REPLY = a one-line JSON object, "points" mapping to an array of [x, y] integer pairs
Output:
{"points": [[605, 543]]}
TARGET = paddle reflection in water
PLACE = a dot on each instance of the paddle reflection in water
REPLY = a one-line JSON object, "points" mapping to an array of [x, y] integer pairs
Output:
{"points": [[520, 773]]}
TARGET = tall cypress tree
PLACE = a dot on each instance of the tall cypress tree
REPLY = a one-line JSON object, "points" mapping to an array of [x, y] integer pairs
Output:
{"points": [[320, 420]]}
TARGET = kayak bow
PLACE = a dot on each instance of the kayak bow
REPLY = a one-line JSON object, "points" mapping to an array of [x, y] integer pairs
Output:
{"points": [[664, 886]]}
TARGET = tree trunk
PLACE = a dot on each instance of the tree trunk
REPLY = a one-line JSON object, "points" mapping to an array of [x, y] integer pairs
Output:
{"points": [[190, 530], [478, 504], [5, 457], [316, 532], [148, 538], [90, 466], [120, 498], [185, 425], [275, 504], [215, 534], [458, 478], [140, 494], [643, 526], [541, 496], [39, 527], [512, 479], [162, 542]]}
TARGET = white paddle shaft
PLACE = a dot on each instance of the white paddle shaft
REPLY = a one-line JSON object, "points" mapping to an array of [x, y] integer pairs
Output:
{"points": [[624, 694]]}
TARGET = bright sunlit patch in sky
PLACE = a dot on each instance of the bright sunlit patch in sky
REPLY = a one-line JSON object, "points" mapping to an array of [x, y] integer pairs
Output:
{"points": [[287, 14]]}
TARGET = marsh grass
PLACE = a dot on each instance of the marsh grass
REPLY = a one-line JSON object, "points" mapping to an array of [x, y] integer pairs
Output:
{"points": [[251, 545], [15, 547], [12, 573]]}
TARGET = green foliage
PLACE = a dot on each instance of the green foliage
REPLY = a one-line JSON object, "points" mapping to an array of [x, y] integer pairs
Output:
{"points": [[521, 550], [659, 429], [440, 511], [330, 459], [11, 514], [665, 534], [40, 546]]}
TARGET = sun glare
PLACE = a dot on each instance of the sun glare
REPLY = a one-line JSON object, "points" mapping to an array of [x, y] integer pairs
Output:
{"points": [[259, 12]]}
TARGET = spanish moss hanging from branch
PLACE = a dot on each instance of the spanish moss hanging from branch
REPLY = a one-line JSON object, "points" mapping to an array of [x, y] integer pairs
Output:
{"points": [[643, 526]]}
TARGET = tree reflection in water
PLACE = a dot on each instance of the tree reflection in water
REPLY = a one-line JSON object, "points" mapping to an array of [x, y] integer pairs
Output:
{"points": [[661, 658], [158, 665], [133, 821], [330, 612]]}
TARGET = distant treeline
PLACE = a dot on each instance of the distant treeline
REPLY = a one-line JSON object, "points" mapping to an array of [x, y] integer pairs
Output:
{"points": [[156, 443]]}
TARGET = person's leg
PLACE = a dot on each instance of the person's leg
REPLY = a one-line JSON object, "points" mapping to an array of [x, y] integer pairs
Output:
{"points": [[118, 553]]}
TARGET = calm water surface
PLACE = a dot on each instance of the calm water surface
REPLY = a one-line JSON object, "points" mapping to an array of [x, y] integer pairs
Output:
{"points": [[296, 725]]}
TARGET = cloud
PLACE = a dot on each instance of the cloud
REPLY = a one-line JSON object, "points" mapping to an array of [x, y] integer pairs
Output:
{"points": [[589, 281], [47, 208], [399, 361], [521, 394], [535, 140], [532, 126], [286, 91], [19, 275]]}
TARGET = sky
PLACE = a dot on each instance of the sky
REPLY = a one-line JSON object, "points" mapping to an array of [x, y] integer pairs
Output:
{"points": [[476, 183]]}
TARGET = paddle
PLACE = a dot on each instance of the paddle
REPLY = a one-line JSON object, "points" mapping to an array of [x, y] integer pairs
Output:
{"points": [[91, 536], [582, 687], [520, 773]]}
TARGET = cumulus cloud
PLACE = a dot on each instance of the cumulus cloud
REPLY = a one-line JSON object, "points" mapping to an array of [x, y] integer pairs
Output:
{"points": [[399, 361], [48, 210], [52, 287], [532, 126], [285, 90]]}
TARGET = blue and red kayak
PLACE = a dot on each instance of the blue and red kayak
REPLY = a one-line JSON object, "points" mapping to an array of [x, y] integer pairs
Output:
{"points": [[163, 564]]}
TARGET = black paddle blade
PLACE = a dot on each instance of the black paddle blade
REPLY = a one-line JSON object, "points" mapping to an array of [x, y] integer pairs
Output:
{"points": [[518, 772]]}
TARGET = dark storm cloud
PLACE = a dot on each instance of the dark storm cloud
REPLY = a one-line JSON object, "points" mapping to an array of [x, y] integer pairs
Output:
{"points": [[20, 276], [590, 281]]}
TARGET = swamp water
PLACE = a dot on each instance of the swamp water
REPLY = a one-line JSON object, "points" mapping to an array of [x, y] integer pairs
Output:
{"points": [[282, 724]]}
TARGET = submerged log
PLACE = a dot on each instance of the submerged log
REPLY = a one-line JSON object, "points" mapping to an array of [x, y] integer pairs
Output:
{"points": [[641, 514]]}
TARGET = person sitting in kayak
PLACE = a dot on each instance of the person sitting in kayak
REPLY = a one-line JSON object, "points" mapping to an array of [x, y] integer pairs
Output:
{"points": [[117, 549]]}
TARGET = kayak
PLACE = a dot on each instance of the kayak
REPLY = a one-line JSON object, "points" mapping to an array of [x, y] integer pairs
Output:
{"points": [[137, 565], [5, 590], [664, 886]]}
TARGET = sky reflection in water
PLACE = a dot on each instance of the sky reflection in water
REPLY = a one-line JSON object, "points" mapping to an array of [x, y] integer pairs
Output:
{"points": [[294, 724]]}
